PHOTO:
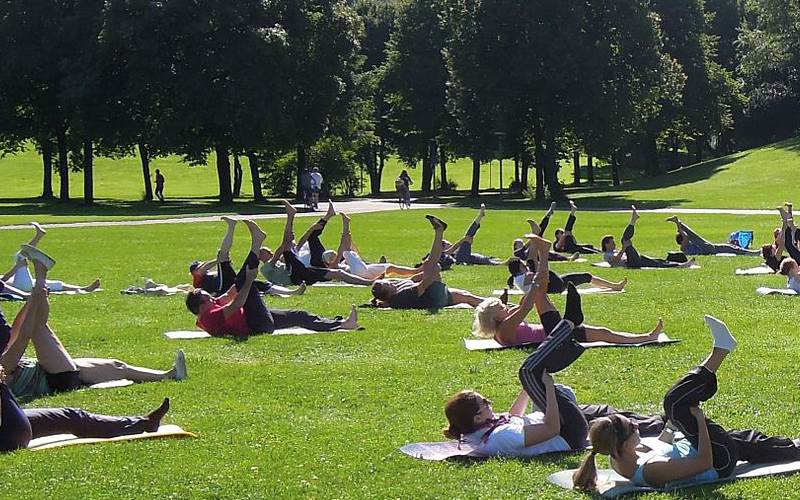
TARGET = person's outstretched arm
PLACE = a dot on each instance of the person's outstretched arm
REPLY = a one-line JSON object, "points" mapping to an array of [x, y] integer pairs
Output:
{"points": [[520, 405], [240, 296], [551, 427]]}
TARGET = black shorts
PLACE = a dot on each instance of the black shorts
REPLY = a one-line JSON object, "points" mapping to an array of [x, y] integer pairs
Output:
{"points": [[299, 272]]}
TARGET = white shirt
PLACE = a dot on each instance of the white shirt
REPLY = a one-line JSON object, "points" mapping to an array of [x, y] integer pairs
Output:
{"points": [[316, 180], [609, 257], [794, 284], [508, 440]]}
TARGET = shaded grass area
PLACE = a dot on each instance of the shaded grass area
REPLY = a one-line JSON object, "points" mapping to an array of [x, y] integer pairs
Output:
{"points": [[322, 416]]}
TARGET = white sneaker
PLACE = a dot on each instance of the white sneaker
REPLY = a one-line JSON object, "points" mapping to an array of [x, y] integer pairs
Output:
{"points": [[723, 338], [33, 253], [181, 372]]}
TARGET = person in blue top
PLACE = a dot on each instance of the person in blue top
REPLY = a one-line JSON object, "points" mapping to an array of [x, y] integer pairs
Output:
{"points": [[692, 243], [708, 451]]}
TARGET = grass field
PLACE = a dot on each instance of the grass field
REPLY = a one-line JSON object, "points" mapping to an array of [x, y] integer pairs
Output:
{"points": [[323, 416]]}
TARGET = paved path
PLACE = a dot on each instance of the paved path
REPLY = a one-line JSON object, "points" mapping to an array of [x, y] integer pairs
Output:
{"points": [[350, 207], [363, 206]]}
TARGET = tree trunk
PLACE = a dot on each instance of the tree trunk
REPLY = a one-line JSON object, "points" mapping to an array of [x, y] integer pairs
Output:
{"points": [[476, 176], [698, 149], [614, 170], [224, 174], [427, 174], [551, 167], [238, 175], [144, 155], [516, 169], [576, 168], [650, 150], [302, 164], [88, 173], [47, 166], [258, 194], [374, 170], [445, 185], [590, 168], [63, 166], [526, 165]]}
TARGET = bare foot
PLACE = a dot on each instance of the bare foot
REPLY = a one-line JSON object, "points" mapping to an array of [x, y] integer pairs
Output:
{"points": [[482, 211], [300, 290], [290, 210], [551, 210], [620, 286], [540, 243], [228, 220], [39, 229], [331, 211], [94, 286], [256, 232], [534, 226], [672, 218], [154, 417], [659, 329], [351, 323], [634, 214], [345, 216], [436, 222], [572, 207]]}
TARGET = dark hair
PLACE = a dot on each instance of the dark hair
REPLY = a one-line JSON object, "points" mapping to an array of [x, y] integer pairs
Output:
{"points": [[606, 239], [380, 292], [679, 238], [193, 301], [460, 411], [786, 264], [194, 265]]}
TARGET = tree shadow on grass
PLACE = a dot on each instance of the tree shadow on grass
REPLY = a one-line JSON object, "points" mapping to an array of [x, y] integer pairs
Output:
{"points": [[791, 145], [116, 207], [497, 202]]}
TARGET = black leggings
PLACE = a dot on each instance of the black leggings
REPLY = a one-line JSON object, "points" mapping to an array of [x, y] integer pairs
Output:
{"points": [[788, 242], [316, 247], [727, 447], [634, 260], [558, 350], [299, 272], [571, 245], [558, 284], [81, 423]]}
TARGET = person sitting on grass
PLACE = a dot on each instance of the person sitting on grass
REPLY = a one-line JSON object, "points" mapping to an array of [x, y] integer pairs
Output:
{"points": [[692, 243], [54, 370], [708, 452], [219, 281], [425, 290], [629, 257], [507, 325], [292, 270], [565, 240], [462, 249], [560, 424], [241, 312], [348, 259], [19, 276]]}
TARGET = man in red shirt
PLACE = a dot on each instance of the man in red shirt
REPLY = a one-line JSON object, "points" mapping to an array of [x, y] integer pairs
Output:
{"points": [[241, 311]]}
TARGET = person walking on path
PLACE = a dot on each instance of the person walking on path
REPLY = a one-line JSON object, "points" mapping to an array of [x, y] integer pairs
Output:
{"points": [[316, 187], [159, 186]]}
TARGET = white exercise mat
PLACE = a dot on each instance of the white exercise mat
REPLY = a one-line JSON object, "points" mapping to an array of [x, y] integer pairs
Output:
{"points": [[582, 291], [123, 382], [611, 485], [448, 449], [476, 344], [763, 290], [606, 265], [335, 284], [61, 440], [198, 334], [754, 271]]}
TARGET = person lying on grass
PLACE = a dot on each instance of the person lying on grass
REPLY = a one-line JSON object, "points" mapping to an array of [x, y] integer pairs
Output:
{"points": [[461, 250], [18, 427], [220, 280], [292, 270], [789, 266], [507, 325], [692, 243], [54, 370], [241, 311], [19, 276], [707, 452], [557, 284], [561, 424], [565, 241], [426, 289], [519, 246], [628, 257], [348, 259]]}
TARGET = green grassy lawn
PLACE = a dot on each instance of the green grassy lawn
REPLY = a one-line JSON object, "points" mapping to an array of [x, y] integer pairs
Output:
{"points": [[322, 416]]}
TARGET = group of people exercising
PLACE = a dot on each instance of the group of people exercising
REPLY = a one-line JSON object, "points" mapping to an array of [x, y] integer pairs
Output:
{"points": [[230, 303]]}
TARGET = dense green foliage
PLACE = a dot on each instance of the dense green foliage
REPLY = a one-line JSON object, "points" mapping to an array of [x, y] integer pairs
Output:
{"points": [[643, 85]]}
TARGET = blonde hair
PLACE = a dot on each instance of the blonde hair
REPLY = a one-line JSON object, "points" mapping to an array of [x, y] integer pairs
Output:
{"points": [[485, 324], [604, 442]]}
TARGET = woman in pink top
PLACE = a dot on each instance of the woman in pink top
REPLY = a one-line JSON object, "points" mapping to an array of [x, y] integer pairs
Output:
{"points": [[506, 323]]}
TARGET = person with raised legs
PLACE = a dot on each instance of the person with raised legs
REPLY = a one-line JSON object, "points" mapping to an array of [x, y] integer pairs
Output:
{"points": [[462, 249], [565, 241], [241, 312], [506, 323], [707, 452], [692, 243], [426, 289], [629, 257], [54, 370], [19, 276]]}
